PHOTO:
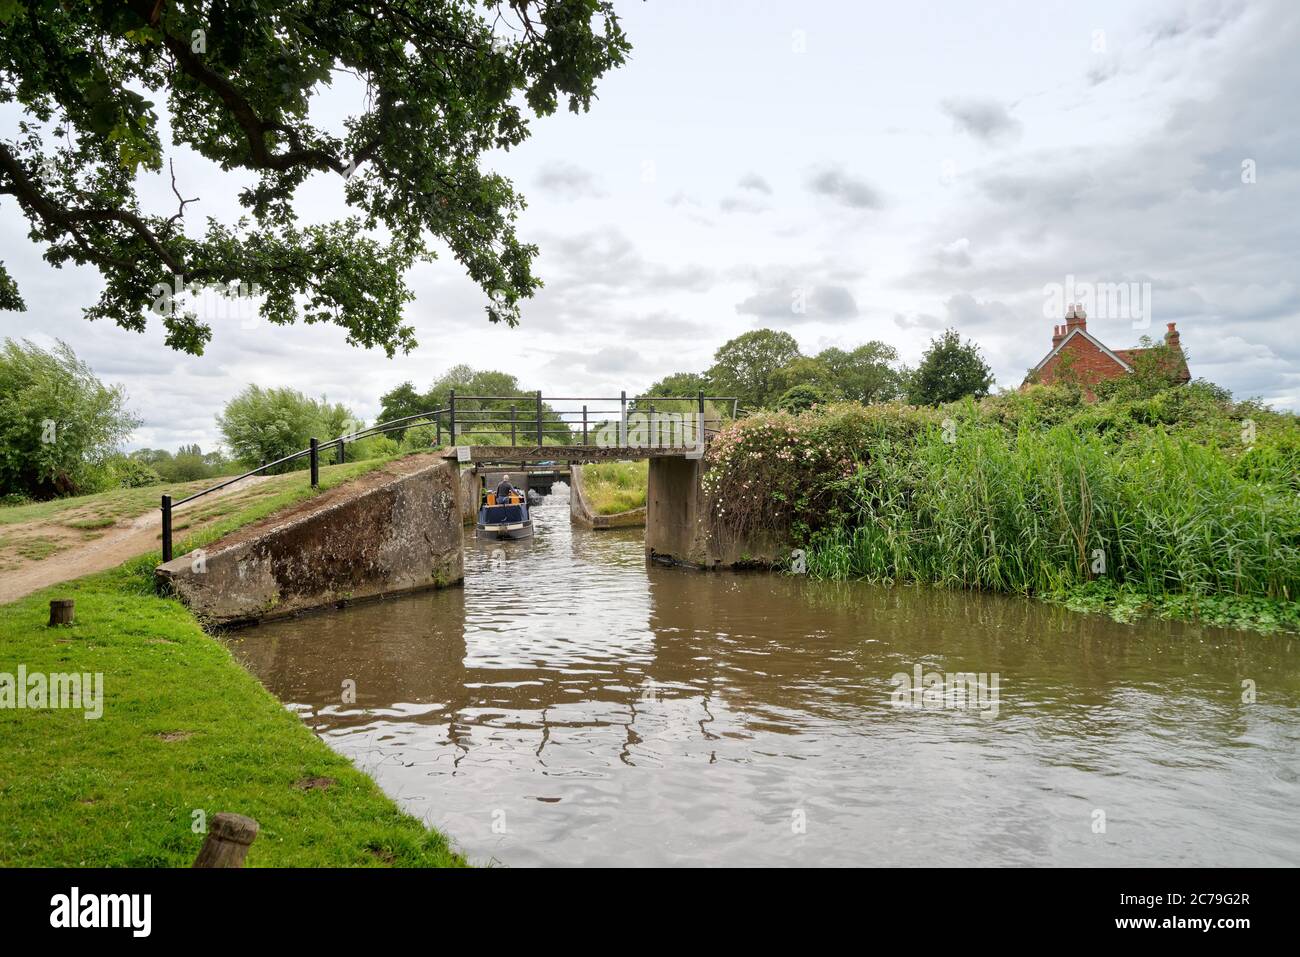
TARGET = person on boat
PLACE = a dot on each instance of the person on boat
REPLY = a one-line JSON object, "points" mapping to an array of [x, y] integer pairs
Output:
{"points": [[504, 490]]}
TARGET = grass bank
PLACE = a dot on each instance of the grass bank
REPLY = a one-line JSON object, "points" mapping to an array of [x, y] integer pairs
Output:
{"points": [[184, 729], [614, 487], [204, 523], [38, 530], [1180, 503]]}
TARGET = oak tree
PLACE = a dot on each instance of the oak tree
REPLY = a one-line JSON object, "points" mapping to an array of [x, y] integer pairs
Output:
{"points": [[110, 91]]}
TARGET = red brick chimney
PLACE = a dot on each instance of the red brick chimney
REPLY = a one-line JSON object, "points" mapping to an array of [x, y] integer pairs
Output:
{"points": [[1172, 339], [1058, 333], [1075, 317]]}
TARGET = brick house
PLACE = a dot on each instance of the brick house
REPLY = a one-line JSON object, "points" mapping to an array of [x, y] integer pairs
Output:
{"points": [[1080, 356]]}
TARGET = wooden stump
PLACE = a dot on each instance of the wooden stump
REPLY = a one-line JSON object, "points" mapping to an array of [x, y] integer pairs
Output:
{"points": [[62, 611], [229, 836]]}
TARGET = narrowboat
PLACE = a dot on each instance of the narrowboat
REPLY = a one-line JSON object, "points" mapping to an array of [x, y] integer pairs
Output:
{"points": [[505, 519]]}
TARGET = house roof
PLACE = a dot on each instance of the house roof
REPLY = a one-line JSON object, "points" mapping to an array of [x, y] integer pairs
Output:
{"points": [[1122, 360]]}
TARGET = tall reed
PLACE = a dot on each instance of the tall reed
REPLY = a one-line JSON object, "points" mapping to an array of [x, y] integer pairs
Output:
{"points": [[1041, 511]]}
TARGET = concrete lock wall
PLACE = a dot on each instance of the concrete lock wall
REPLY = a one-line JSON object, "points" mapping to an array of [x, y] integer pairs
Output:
{"points": [[394, 530], [581, 513], [678, 527], [469, 496]]}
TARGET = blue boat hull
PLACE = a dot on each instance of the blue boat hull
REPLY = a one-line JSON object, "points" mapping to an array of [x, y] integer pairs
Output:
{"points": [[504, 522]]}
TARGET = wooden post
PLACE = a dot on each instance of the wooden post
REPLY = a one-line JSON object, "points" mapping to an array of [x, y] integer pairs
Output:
{"points": [[167, 528], [315, 463], [62, 611], [229, 836]]}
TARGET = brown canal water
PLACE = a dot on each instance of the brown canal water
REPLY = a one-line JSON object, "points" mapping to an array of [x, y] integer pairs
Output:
{"points": [[572, 705]]}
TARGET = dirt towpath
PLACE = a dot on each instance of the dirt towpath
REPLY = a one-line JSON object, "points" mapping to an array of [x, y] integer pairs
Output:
{"points": [[123, 541]]}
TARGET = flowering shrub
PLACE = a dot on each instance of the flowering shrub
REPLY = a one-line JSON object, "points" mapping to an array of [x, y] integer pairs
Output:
{"points": [[777, 472]]}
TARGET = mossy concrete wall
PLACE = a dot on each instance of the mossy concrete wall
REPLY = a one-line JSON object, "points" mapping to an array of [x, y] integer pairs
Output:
{"points": [[679, 526], [581, 512], [469, 496], [397, 529]]}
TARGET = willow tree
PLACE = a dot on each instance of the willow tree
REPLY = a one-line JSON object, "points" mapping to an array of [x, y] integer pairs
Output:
{"points": [[240, 82]]}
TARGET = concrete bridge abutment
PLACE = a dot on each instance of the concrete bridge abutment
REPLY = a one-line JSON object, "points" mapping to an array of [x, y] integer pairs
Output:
{"points": [[679, 526]]}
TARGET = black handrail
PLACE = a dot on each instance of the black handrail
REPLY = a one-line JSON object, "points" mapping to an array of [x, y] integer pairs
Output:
{"points": [[312, 450]]}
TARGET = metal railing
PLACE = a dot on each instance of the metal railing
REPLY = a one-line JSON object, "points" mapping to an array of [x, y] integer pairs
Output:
{"points": [[570, 427], [312, 452], [535, 419]]}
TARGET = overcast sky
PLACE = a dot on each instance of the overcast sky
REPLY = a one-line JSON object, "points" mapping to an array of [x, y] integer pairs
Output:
{"points": [[897, 168]]}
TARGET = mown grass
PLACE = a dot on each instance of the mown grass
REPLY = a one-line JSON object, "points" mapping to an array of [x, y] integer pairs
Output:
{"points": [[86, 517], [613, 487], [116, 504], [117, 792], [218, 516]]}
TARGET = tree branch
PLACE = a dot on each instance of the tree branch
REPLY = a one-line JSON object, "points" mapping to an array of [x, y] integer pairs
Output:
{"points": [[66, 219]]}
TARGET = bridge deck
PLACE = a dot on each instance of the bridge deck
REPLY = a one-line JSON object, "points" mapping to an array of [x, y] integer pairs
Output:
{"points": [[510, 454]]}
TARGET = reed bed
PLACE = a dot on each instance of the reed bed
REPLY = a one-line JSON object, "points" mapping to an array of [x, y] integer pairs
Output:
{"points": [[1045, 512], [1180, 497]]}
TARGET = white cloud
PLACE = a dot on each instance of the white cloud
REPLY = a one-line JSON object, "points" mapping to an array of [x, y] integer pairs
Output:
{"points": [[568, 181], [1134, 174], [845, 188], [987, 120]]}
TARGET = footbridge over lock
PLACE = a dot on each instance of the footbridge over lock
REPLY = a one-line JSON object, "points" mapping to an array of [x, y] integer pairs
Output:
{"points": [[400, 527]]}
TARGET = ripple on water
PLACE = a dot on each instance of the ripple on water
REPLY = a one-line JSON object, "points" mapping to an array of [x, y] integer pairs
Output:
{"points": [[573, 705]]}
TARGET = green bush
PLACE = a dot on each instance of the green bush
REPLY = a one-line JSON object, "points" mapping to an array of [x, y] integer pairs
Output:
{"points": [[125, 472], [59, 425], [419, 439], [778, 472], [373, 447], [263, 425], [800, 398]]}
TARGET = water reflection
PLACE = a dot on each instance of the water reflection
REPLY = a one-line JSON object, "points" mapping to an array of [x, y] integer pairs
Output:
{"points": [[572, 705]]}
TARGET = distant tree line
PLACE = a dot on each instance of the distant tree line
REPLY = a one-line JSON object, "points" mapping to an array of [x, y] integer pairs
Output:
{"points": [[407, 400], [61, 429], [188, 464], [764, 369]]}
